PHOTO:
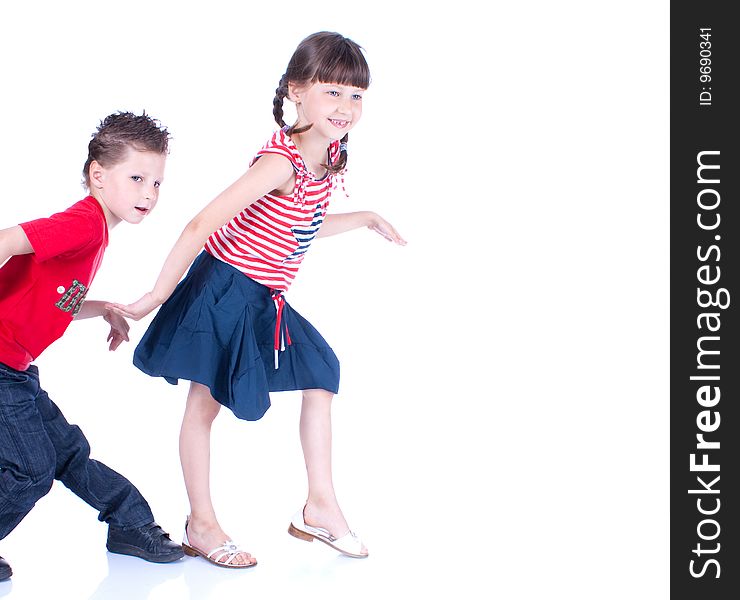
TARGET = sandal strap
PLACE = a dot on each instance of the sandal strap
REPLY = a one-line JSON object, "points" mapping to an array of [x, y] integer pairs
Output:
{"points": [[348, 543], [227, 548], [319, 531]]}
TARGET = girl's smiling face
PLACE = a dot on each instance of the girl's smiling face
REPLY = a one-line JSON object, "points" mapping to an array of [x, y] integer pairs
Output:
{"points": [[332, 109]]}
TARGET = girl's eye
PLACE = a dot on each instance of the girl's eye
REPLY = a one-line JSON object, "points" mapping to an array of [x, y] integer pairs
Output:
{"points": [[157, 184], [136, 178]]}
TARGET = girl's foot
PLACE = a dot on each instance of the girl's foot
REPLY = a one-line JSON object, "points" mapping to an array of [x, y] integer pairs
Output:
{"points": [[330, 518], [208, 538]]}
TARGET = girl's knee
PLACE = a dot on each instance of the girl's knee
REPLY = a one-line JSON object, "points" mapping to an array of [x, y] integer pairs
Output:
{"points": [[201, 404], [317, 399], [318, 396]]}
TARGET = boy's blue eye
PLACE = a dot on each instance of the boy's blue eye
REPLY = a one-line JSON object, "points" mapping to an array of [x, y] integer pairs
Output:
{"points": [[356, 97], [333, 93]]}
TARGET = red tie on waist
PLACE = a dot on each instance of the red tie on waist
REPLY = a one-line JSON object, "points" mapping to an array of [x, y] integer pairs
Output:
{"points": [[277, 298]]}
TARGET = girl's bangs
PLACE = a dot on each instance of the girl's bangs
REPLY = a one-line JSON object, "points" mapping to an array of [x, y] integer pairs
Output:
{"points": [[345, 68]]}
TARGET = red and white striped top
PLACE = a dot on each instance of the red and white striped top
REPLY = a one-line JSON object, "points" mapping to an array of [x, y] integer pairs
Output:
{"points": [[269, 238]]}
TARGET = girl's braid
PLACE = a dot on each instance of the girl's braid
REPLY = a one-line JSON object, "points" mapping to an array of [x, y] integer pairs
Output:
{"points": [[281, 92]]}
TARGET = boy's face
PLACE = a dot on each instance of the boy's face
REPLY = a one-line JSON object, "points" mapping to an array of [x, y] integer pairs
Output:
{"points": [[129, 189]]}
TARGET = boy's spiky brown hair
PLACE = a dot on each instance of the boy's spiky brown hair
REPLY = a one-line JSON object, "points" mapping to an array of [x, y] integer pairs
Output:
{"points": [[119, 132]]}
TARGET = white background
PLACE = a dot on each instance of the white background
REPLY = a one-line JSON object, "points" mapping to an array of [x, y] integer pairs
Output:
{"points": [[502, 427]]}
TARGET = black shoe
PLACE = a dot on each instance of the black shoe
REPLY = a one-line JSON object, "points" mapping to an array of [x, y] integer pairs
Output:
{"points": [[149, 542], [5, 570]]}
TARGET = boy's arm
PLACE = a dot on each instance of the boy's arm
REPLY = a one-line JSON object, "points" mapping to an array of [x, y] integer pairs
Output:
{"points": [[13, 241], [340, 223], [118, 325], [91, 308]]}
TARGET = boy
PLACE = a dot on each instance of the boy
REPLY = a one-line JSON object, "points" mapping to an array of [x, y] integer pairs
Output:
{"points": [[50, 266]]}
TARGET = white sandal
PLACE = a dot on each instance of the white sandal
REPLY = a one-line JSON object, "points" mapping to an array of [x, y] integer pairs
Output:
{"points": [[349, 544], [228, 549]]}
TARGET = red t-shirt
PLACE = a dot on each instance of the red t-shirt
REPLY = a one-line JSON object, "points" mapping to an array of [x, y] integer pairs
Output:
{"points": [[41, 292]]}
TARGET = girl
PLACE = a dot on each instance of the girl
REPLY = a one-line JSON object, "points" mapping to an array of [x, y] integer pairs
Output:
{"points": [[227, 328]]}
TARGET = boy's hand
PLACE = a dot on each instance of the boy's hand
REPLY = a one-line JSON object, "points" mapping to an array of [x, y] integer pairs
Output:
{"points": [[136, 310], [379, 225], [118, 329]]}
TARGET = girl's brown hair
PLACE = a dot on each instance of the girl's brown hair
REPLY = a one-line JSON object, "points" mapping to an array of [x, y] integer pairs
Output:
{"points": [[323, 57]]}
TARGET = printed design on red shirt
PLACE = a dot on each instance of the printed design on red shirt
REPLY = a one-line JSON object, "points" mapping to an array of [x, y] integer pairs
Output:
{"points": [[72, 298]]}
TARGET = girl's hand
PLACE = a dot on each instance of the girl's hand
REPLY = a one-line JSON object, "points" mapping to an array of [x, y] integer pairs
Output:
{"points": [[379, 225], [118, 329], [136, 310]]}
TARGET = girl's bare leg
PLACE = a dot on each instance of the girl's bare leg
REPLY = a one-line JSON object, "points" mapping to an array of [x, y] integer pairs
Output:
{"points": [[203, 532], [322, 508]]}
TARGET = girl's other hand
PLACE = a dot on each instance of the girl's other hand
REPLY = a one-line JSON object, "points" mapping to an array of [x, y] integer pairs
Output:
{"points": [[379, 225], [136, 310]]}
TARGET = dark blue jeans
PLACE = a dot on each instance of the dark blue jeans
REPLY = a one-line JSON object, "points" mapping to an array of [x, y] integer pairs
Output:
{"points": [[37, 446]]}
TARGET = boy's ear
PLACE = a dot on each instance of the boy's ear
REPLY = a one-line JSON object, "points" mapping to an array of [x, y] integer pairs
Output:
{"points": [[96, 174]]}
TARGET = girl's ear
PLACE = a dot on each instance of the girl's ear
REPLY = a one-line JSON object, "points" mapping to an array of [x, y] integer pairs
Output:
{"points": [[96, 174], [295, 92]]}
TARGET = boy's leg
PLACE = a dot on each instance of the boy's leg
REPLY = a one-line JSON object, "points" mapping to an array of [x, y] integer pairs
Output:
{"points": [[119, 502], [26, 454], [131, 524]]}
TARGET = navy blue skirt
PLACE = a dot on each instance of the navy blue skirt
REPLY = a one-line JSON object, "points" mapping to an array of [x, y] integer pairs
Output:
{"points": [[218, 329]]}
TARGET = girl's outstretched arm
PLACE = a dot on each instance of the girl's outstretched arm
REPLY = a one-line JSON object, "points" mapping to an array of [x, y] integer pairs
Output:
{"points": [[339, 223], [270, 172]]}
